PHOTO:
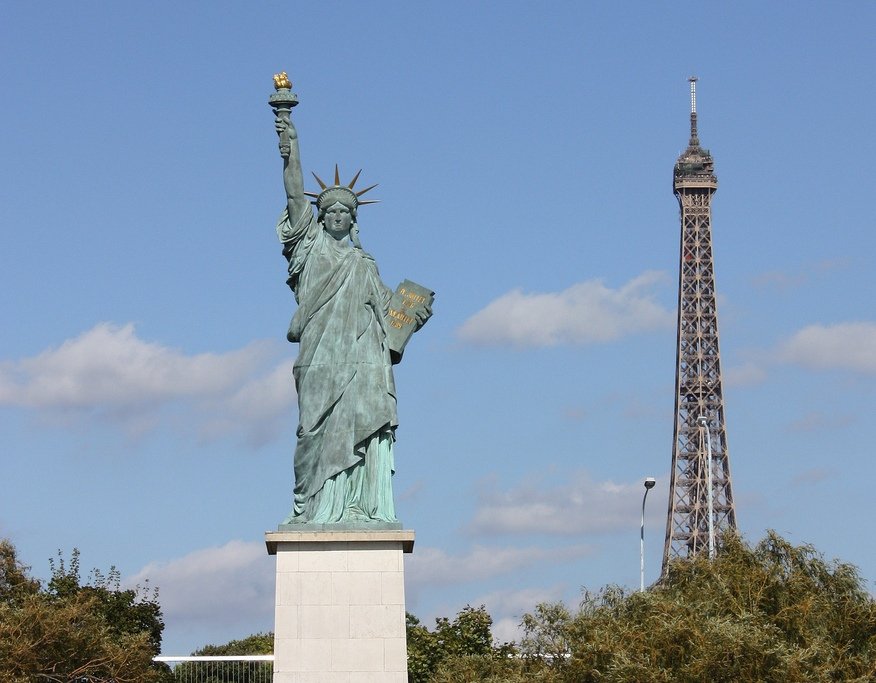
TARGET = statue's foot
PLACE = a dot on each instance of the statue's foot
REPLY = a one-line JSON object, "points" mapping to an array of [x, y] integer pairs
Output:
{"points": [[354, 514], [291, 518], [359, 516]]}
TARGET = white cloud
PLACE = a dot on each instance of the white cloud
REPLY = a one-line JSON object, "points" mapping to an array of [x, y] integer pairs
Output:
{"points": [[747, 374], [111, 374], [225, 585], [412, 492], [844, 346], [507, 608], [814, 475], [793, 279], [507, 629], [777, 279], [432, 566], [579, 506], [264, 404], [110, 367], [817, 421], [585, 313], [519, 601], [576, 414]]}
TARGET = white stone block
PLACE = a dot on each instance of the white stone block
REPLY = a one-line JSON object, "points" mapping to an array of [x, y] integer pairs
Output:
{"points": [[316, 588], [315, 653], [288, 590], [375, 560], [361, 654], [298, 654], [356, 588], [376, 621], [377, 677], [286, 621], [317, 677], [324, 621], [392, 588], [287, 559], [395, 655], [323, 559]]}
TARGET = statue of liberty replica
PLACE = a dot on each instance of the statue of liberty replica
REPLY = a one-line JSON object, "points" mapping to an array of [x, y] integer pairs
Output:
{"points": [[350, 329]]}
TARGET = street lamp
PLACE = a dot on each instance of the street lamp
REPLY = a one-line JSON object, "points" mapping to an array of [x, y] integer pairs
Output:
{"points": [[649, 484], [704, 423]]}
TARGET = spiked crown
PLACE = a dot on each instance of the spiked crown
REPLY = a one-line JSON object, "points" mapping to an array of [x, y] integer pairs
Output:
{"points": [[340, 193]]}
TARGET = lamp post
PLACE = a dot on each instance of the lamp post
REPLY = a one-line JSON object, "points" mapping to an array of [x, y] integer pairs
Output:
{"points": [[649, 484], [704, 423]]}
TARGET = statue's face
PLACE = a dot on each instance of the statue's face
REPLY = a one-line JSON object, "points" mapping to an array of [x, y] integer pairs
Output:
{"points": [[337, 221]]}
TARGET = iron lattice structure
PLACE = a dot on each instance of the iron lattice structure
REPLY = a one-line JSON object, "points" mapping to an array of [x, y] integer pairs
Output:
{"points": [[698, 391]]}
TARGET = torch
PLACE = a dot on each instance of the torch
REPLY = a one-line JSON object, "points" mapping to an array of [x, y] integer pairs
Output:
{"points": [[282, 102]]}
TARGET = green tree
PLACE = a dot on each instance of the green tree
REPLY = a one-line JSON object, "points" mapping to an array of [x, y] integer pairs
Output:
{"points": [[68, 631], [547, 633], [125, 611], [774, 612], [256, 644], [462, 648]]}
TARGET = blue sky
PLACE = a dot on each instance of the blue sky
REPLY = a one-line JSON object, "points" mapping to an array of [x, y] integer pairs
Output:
{"points": [[524, 153]]}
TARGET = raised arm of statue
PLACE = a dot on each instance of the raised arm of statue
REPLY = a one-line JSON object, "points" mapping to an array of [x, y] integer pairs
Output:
{"points": [[292, 177]]}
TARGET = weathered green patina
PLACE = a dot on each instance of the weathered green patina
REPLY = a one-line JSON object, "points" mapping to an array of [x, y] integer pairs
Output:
{"points": [[343, 374]]}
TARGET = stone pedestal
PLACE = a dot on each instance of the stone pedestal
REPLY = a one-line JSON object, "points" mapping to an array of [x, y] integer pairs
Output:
{"points": [[340, 606]]}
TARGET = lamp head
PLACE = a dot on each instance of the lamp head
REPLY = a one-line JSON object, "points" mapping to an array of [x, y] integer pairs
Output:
{"points": [[650, 482], [703, 421]]}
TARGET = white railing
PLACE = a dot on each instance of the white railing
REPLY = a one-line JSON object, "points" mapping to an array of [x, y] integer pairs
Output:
{"points": [[221, 669]]}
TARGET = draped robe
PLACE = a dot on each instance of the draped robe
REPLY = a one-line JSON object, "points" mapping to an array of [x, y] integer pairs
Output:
{"points": [[343, 376]]}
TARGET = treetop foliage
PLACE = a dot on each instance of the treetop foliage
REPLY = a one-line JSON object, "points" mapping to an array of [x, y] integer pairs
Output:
{"points": [[15, 584], [67, 631], [434, 655], [256, 644], [775, 613]]}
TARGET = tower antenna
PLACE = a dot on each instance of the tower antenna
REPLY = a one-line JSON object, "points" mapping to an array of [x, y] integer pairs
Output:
{"points": [[694, 139]]}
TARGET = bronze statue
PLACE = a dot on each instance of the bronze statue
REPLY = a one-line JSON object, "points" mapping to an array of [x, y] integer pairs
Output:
{"points": [[343, 373]]}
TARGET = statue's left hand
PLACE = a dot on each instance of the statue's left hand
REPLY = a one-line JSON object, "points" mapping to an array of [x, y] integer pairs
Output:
{"points": [[422, 315]]}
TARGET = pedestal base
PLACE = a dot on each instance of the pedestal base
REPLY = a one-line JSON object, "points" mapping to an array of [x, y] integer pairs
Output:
{"points": [[340, 606]]}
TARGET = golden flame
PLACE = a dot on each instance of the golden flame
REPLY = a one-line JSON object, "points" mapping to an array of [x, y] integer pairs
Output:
{"points": [[281, 80]]}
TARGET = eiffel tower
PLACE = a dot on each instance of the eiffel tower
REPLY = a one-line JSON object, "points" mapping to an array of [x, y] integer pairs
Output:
{"points": [[700, 435]]}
